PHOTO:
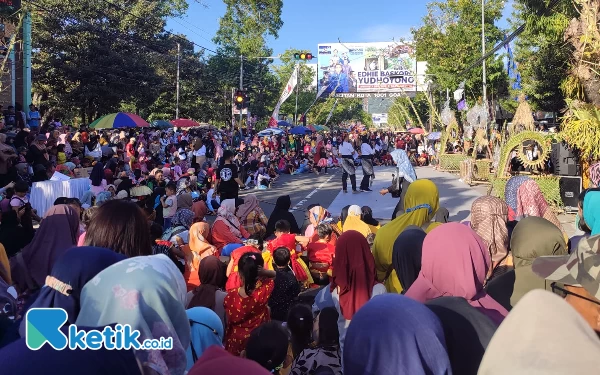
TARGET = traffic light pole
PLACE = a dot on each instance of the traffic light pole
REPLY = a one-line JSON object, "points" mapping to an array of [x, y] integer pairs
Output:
{"points": [[297, 87]]}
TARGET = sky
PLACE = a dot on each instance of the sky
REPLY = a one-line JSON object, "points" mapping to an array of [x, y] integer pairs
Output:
{"points": [[306, 23]]}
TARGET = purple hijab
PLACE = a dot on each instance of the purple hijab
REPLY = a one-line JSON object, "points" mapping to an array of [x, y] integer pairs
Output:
{"points": [[58, 232], [455, 263]]}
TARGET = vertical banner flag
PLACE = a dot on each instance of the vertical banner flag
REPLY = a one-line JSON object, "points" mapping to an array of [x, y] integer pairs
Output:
{"points": [[287, 91], [331, 112]]}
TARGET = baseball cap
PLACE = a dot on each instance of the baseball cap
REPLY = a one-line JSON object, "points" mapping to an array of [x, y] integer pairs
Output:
{"points": [[580, 269]]}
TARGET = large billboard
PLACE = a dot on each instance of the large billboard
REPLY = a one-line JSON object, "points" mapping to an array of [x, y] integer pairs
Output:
{"points": [[361, 68]]}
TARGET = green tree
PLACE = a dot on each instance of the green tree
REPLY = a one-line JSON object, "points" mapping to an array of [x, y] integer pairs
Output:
{"points": [[402, 111], [90, 57], [246, 24], [306, 92], [345, 110], [450, 40], [541, 55]]}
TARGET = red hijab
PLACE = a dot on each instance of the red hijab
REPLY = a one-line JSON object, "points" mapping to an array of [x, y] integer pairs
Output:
{"points": [[353, 272]]}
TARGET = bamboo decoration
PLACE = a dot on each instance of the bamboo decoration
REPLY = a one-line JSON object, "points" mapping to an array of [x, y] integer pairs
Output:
{"points": [[523, 120]]}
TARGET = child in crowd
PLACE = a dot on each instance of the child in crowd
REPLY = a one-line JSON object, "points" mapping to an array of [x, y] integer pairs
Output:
{"points": [[246, 307], [169, 204], [283, 238], [286, 286], [213, 202], [320, 255], [61, 157]]}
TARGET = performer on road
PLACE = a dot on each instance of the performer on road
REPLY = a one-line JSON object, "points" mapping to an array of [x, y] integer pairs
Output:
{"points": [[347, 153]]}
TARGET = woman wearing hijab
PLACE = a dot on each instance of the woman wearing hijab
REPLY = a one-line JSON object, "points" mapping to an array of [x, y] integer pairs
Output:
{"points": [[319, 215], [533, 338], [367, 217], [532, 237], [69, 275], [354, 222], [179, 232], [510, 194], [421, 203], [343, 217], [488, 219], [406, 258], [57, 232], [282, 212], [97, 180], [591, 211], [354, 278], [455, 262], [216, 361], [227, 232], [252, 217], [185, 201], [206, 330], [594, 173], [210, 292], [199, 248], [393, 334], [531, 202], [18, 359], [148, 293]]}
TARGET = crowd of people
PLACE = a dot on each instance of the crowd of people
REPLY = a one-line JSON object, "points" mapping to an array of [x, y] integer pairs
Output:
{"points": [[164, 241]]}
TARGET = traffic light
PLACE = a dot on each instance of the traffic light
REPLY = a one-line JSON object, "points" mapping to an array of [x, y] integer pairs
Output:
{"points": [[239, 99], [303, 56]]}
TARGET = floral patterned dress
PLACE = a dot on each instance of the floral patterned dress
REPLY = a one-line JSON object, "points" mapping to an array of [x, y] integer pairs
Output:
{"points": [[246, 314]]}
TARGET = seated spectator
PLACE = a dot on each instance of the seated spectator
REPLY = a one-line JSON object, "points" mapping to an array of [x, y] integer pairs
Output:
{"points": [[252, 217], [320, 255], [283, 238], [227, 232]]}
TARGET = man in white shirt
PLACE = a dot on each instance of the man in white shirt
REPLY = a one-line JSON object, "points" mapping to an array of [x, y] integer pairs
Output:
{"points": [[366, 156], [346, 152], [200, 155]]}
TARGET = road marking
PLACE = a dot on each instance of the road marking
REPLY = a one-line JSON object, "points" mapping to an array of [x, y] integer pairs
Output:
{"points": [[301, 203]]}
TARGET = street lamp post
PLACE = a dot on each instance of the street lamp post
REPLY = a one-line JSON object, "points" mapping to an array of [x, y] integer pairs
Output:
{"points": [[483, 50]]}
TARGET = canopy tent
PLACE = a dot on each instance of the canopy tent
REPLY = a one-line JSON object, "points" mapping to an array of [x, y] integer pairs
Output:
{"points": [[184, 123], [119, 120], [161, 124], [299, 130], [269, 132]]}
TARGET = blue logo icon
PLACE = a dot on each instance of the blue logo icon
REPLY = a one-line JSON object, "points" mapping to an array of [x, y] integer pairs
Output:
{"points": [[42, 325]]}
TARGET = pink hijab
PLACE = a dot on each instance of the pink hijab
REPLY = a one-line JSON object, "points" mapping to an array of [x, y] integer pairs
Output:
{"points": [[454, 263]]}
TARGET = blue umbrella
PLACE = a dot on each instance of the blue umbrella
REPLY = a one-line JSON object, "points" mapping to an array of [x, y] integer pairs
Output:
{"points": [[284, 124], [434, 136], [299, 130]]}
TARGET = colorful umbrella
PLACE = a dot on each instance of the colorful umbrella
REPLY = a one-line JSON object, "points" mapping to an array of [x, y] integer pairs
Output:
{"points": [[184, 123], [119, 120], [416, 131], [161, 124], [311, 128], [269, 132]]}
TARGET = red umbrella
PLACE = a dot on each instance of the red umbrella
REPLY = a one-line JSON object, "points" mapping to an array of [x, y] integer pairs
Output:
{"points": [[184, 123], [416, 131]]}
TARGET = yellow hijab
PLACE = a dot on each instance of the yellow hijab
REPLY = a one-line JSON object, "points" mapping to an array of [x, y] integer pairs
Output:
{"points": [[353, 222], [422, 201]]}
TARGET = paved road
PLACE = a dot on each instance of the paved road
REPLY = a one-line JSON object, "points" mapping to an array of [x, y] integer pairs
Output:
{"points": [[303, 190]]}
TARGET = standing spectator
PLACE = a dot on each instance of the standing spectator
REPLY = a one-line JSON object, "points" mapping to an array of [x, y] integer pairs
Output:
{"points": [[286, 287], [228, 182], [169, 204], [33, 118], [10, 119]]}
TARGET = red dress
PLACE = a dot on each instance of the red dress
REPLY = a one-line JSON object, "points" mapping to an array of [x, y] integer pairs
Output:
{"points": [[288, 240], [246, 314]]}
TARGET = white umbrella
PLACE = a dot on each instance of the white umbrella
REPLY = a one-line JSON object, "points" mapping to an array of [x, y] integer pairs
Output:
{"points": [[270, 131]]}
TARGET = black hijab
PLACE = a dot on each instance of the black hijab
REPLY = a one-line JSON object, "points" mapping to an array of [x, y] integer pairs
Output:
{"points": [[367, 216], [281, 212], [344, 214], [468, 332], [97, 174], [406, 256]]}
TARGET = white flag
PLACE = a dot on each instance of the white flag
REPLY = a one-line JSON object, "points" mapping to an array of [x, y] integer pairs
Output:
{"points": [[322, 90], [331, 112], [287, 91]]}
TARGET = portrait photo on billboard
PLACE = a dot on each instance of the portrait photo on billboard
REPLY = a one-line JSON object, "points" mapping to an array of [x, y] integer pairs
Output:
{"points": [[366, 67]]}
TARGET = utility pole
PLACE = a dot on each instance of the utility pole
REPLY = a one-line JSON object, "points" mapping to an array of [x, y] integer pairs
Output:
{"points": [[297, 88], [178, 60], [26, 60], [241, 89], [483, 50]]}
